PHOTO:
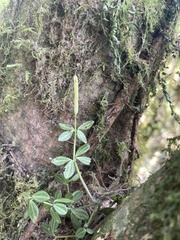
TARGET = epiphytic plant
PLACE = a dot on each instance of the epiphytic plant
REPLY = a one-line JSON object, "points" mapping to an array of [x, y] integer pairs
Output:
{"points": [[57, 205]]}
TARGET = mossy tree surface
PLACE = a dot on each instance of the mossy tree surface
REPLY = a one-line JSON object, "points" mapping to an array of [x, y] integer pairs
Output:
{"points": [[151, 212], [115, 47]]}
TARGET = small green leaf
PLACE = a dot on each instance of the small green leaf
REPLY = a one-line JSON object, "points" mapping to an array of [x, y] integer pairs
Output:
{"points": [[40, 196], [66, 127], [89, 230], [64, 200], [80, 233], [81, 136], [60, 208], [47, 229], [75, 222], [83, 149], [86, 125], [59, 161], [53, 225], [69, 169], [74, 178], [57, 194], [84, 160], [33, 211], [69, 195], [77, 195], [60, 178], [65, 136], [80, 213], [55, 215]]}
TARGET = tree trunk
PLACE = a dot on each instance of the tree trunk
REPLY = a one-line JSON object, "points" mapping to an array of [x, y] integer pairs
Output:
{"points": [[151, 212], [115, 47]]}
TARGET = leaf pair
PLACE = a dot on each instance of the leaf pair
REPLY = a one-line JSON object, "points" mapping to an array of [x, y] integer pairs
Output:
{"points": [[81, 232], [50, 229], [61, 179], [84, 126], [65, 136], [32, 210], [70, 167]]}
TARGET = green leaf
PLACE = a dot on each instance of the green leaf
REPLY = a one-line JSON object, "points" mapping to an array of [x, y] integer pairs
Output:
{"points": [[77, 195], [74, 178], [81, 136], [57, 194], [66, 127], [75, 222], [64, 200], [65, 136], [80, 233], [41, 196], [84, 160], [47, 229], [60, 208], [69, 169], [83, 149], [86, 125], [89, 230], [69, 195], [33, 211], [55, 215], [60, 178], [80, 213], [47, 207], [53, 225], [59, 161]]}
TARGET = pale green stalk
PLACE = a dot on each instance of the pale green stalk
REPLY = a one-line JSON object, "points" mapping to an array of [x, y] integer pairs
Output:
{"points": [[67, 236]]}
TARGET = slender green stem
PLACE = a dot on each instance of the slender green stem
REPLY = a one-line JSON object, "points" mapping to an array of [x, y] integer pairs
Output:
{"points": [[47, 203], [93, 215], [75, 163], [83, 183], [67, 186], [67, 236]]}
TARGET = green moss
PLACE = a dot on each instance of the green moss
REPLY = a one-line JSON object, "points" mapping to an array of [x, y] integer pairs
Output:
{"points": [[162, 206]]}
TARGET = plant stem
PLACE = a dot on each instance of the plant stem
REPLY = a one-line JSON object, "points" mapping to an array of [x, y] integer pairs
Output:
{"points": [[67, 186], [84, 184], [67, 236], [75, 163], [93, 215], [46, 203]]}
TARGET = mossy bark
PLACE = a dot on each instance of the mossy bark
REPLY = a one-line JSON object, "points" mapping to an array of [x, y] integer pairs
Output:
{"points": [[150, 212]]}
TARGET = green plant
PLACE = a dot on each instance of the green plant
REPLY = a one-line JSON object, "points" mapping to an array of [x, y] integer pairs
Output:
{"points": [[59, 206]]}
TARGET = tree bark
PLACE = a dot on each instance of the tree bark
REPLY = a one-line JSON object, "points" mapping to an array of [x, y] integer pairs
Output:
{"points": [[150, 212]]}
